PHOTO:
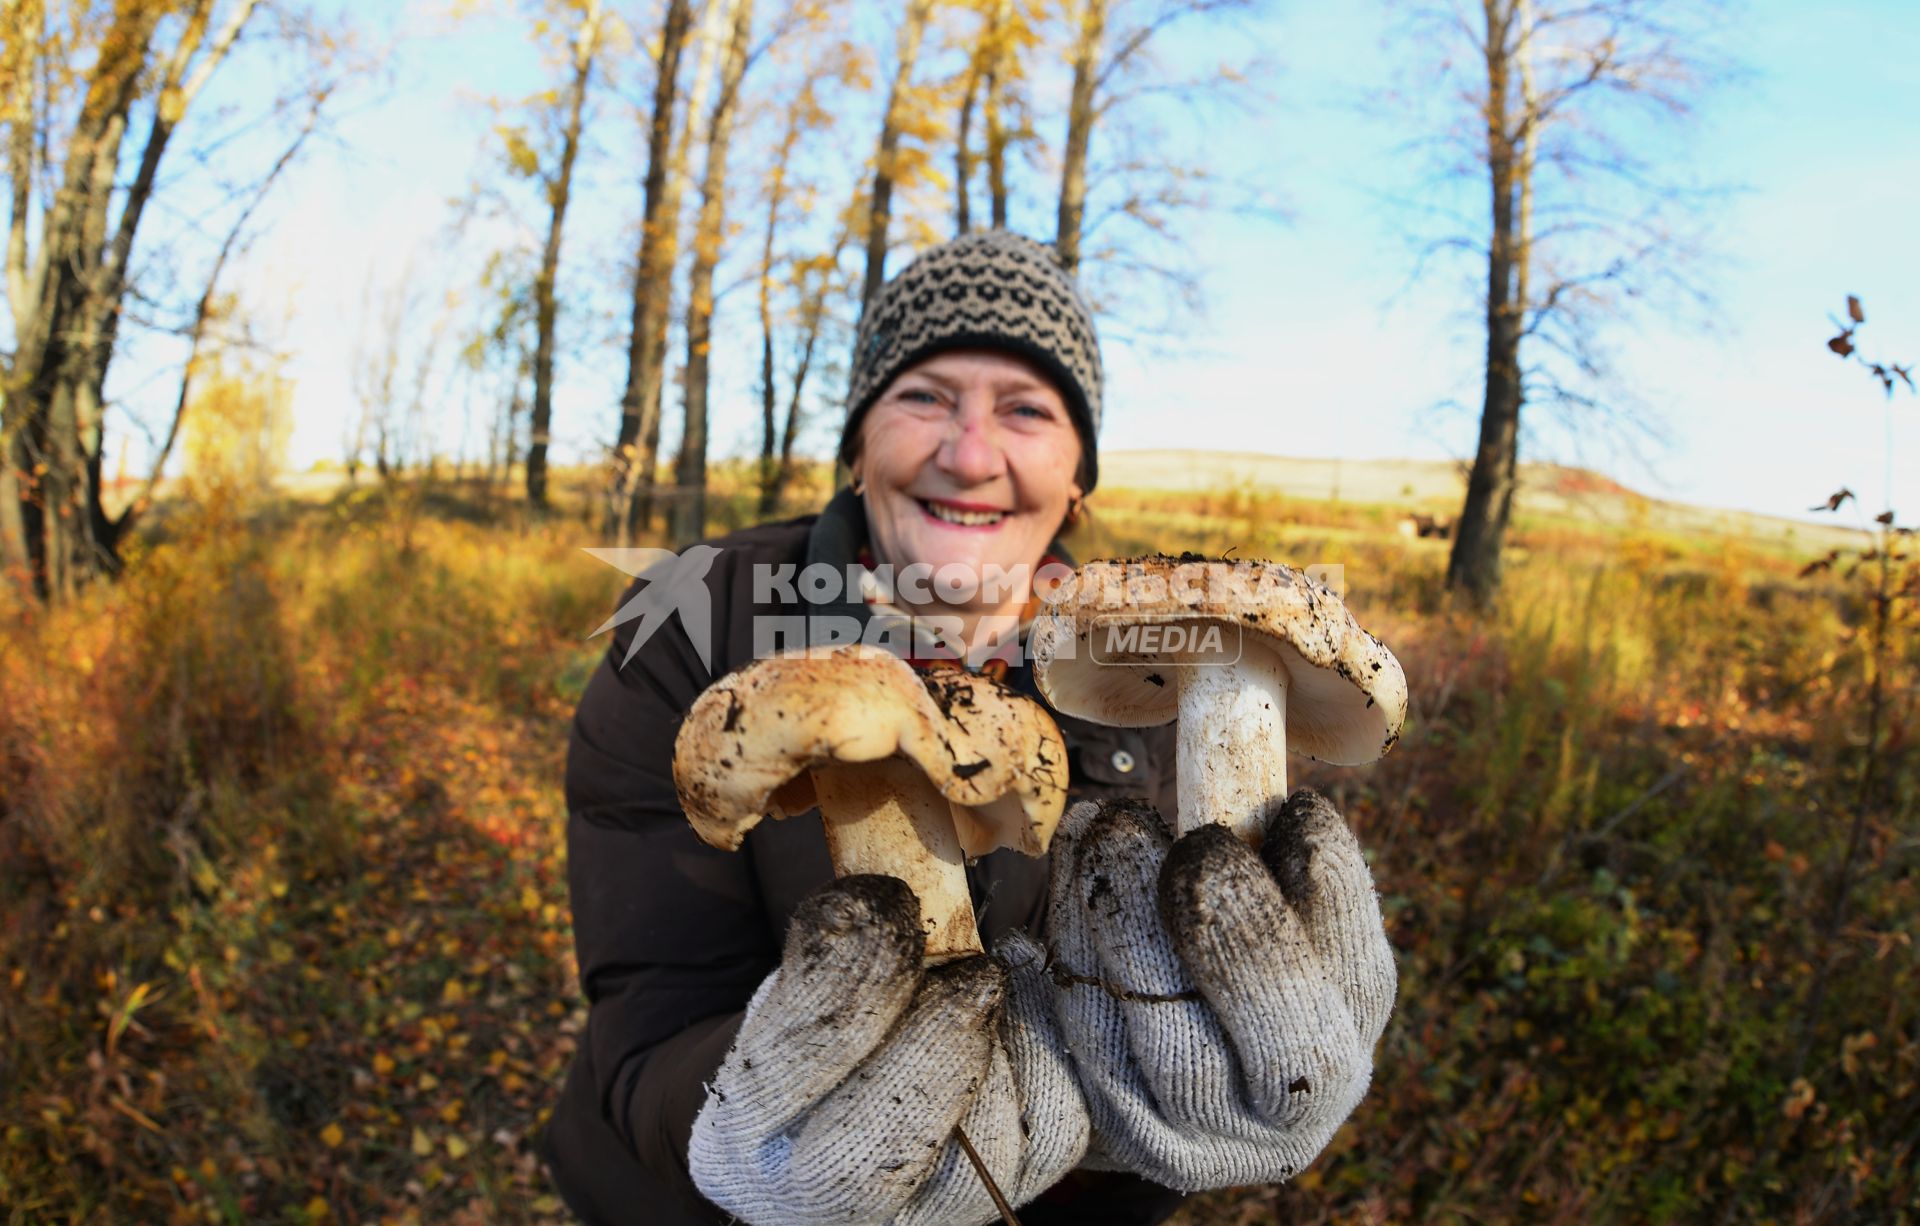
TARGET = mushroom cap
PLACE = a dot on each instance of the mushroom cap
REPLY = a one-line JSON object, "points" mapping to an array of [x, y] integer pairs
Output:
{"points": [[1347, 695], [1009, 783], [744, 750]]}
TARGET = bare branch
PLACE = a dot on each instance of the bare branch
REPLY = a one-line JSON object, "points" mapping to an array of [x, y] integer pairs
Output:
{"points": [[203, 311], [1136, 40], [168, 110], [222, 43]]}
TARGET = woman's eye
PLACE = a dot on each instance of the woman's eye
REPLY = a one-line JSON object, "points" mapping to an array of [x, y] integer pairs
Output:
{"points": [[1033, 411], [918, 396]]}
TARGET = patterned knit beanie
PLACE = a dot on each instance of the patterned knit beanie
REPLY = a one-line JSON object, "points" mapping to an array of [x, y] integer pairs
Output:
{"points": [[988, 290]]}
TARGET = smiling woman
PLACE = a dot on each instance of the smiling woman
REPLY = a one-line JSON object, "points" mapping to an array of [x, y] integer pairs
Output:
{"points": [[972, 411], [767, 1044], [968, 460], [973, 406]]}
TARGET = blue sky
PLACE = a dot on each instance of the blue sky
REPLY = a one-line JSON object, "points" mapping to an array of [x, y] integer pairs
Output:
{"points": [[1314, 342]]}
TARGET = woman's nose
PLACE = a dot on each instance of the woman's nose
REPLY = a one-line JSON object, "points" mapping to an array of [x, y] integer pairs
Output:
{"points": [[971, 452]]}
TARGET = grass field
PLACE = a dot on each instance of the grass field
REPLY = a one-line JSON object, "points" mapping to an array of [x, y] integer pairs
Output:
{"points": [[283, 927]]}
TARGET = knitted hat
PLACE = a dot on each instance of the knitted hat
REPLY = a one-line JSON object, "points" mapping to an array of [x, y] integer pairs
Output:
{"points": [[989, 289]]}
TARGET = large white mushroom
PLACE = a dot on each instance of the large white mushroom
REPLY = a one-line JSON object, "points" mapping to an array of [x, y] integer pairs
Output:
{"points": [[1252, 658], [913, 774]]}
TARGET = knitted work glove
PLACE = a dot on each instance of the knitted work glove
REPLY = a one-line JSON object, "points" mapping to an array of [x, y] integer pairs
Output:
{"points": [[1221, 1004], [839, 1098]]}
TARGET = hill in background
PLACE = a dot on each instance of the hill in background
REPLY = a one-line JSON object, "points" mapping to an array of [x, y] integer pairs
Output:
{"points": [[1547, 491]]}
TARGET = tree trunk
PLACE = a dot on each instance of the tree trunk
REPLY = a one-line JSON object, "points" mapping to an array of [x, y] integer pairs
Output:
{"points": [[994, 112], [768, 499], [16, 564], [783, 475], [510, 446], [963, 153], [647, 450], [773, 457], [21, 48], [776, 441], [813, 312], [495, 444], [1080, 118], [67, 308], [101, 319], [688, 520], [657, 232], [776, 196], [546, 308], [57, 339], [880, 207], [1474, 565]]}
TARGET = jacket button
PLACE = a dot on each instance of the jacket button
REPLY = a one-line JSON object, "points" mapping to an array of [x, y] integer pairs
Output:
{"points": [[1122, 761]]}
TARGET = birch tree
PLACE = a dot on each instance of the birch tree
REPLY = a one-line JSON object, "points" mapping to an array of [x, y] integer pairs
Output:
{"points": [[1128, 188], [886, 159], [653, 269], [796, 281], [712, 32], [496, 355], [1580, 220], [95, 95], [689, 515], [1011, 33], [995, 70], [588, 36], [1089, 48]]}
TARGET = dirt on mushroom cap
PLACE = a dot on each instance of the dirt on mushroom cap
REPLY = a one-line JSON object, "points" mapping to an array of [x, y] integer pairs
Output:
{"points": [[1348, 694], [747, 743], [1009, 782], [758, 730]]}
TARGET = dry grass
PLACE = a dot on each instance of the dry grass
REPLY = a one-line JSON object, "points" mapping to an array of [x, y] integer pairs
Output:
{"points": [[282, 915]]}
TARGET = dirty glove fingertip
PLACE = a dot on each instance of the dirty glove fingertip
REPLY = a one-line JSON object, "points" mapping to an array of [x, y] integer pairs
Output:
{"points": [[866, 922], [1210, 879], [972, 987]]}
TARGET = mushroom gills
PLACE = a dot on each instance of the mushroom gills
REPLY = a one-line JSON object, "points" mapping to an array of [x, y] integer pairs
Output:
{"points": [[885, 817], [1233, 741]]}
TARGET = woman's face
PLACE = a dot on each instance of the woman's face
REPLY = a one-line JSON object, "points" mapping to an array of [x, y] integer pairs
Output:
{"points": [[968, 457]]}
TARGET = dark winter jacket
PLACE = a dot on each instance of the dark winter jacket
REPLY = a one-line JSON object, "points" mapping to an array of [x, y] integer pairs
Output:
{"points": [[673, 936]]}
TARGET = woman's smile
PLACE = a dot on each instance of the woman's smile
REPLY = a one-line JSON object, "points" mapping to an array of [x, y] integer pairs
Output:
{"points": [[969, 516]]}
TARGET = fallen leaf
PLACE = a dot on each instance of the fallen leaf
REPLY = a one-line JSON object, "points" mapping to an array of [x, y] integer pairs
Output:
{"points": [[1799, 1098]]}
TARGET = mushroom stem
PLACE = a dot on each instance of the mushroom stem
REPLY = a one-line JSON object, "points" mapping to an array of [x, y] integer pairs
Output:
{"points": [[1233, 741], [885, 817]]}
